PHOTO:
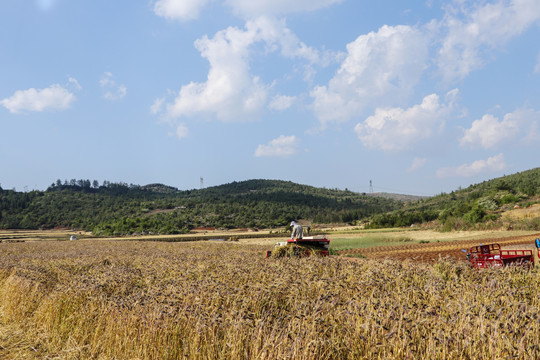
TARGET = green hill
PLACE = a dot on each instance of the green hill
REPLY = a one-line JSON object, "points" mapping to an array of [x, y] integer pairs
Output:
{"points": [[119, 208], [477, 207]]}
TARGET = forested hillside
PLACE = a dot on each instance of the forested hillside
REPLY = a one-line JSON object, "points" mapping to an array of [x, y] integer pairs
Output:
{"points": [[476, 207], [118, 208]]}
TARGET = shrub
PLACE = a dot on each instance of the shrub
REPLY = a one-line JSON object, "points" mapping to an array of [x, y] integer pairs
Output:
{"points": [[474, 216], [488, 204], [509, 199]]}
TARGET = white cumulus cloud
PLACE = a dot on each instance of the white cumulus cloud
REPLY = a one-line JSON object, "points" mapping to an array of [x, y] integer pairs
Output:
{"points": [[395, 129], [55, 97], [479, 167], [380, 68], [471, 32], [182, 10], [283, 146], [111, 90], [231, 92], [489, 132]]}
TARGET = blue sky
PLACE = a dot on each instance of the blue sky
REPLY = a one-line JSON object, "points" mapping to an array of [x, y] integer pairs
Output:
{"points": [[419, 99]]}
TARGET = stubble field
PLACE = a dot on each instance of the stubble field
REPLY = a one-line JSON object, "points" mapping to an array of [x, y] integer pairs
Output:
{"points": [[94, 299]]}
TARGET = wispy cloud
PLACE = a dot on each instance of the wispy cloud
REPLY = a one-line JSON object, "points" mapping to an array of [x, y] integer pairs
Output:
{"points": [[479, 167], [75, 83], [283, 146], [472, 32], [111, 90], [281, 102], [157, 106], [417, 164], [182, 131]]}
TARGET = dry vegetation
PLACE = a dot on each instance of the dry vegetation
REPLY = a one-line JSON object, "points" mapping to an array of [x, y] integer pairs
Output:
{"points": [[38, 235], [147, 300], [530, 212]]}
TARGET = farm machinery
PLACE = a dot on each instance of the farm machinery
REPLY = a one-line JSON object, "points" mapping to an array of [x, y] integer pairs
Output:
{"points": [[307, 246], [491, 255]]}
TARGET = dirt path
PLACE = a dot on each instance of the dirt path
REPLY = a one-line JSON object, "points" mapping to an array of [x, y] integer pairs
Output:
{"points": [[431, 252]]}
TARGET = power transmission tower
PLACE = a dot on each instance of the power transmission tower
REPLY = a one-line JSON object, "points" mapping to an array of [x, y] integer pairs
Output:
{"points": [[370, 187], [202, 183]]}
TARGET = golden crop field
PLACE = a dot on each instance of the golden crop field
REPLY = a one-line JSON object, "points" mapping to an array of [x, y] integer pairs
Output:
{"points": [[213, 300]]}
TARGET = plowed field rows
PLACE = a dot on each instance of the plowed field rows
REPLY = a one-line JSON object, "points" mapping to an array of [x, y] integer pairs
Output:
{"points": [[432, 251]]}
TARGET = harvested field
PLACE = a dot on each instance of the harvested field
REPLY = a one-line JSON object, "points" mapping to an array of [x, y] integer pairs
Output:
{"points": [[431, 252]]}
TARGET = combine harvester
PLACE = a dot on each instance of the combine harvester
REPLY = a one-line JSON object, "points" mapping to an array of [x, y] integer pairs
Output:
{"points": [[491, 255], [307, 246]]}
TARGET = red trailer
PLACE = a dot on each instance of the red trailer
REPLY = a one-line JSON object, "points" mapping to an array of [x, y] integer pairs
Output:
{"points": [[491, 255]]}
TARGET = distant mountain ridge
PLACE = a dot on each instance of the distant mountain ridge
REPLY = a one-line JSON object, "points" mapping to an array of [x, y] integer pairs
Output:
{"points": [[400, 197], [159, 188]]}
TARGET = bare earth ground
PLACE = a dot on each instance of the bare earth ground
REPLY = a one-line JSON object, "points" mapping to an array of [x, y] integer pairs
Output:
{"points": [[431, 252], [447, 244]]}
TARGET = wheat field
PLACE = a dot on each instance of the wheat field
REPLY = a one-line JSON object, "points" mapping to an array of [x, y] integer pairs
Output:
{"points": [[204, 300]]}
